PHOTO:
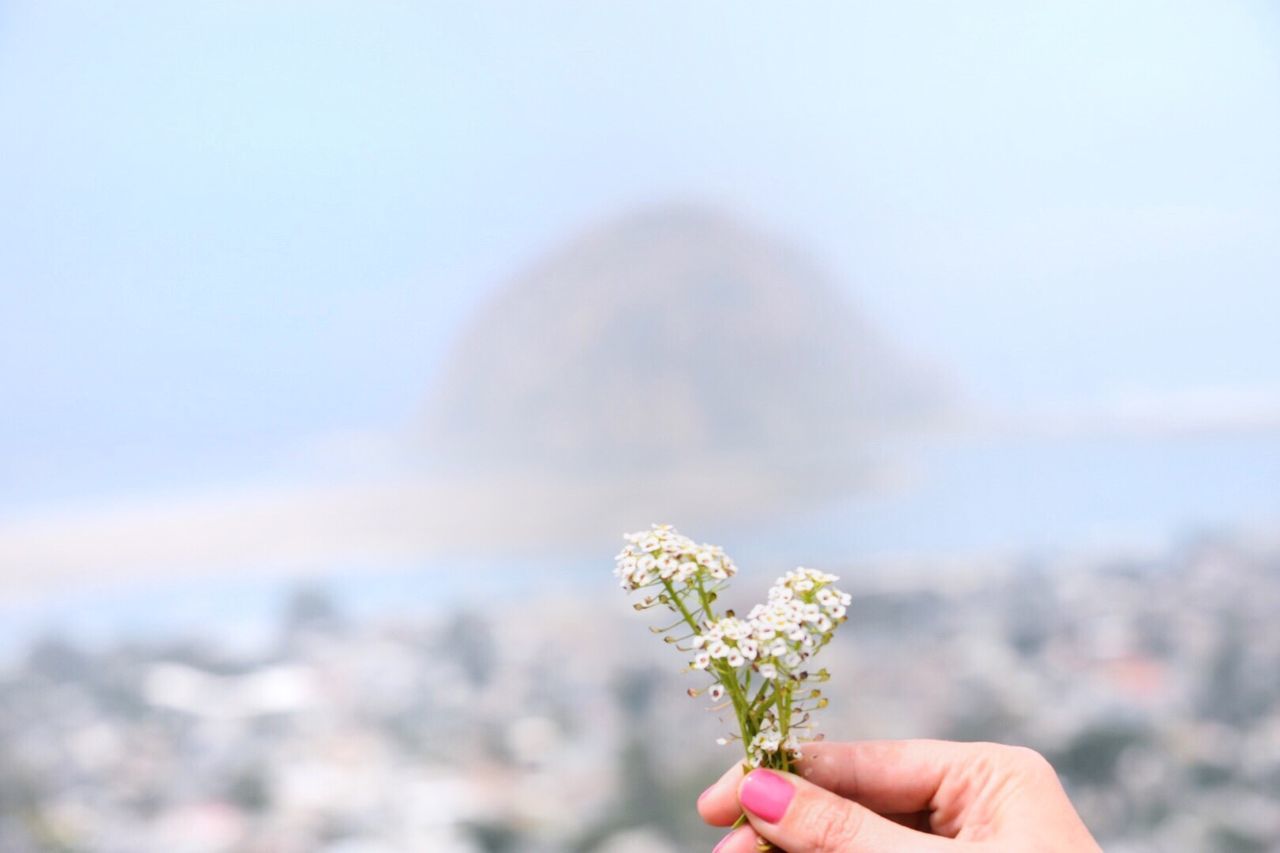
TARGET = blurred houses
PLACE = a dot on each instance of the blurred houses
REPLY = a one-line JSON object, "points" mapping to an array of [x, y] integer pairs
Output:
{"points": [[554, 724]]}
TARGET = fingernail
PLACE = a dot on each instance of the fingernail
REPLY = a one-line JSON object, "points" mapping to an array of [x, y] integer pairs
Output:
{"points": [[766, 795], [724, 842], [703, 796]]}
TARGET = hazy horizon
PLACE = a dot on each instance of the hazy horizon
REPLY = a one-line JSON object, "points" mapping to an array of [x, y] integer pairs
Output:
{"points": [[242, 242]]}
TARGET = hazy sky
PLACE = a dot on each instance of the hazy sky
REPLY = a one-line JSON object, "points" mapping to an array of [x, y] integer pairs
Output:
{"points": [[227, 229]]}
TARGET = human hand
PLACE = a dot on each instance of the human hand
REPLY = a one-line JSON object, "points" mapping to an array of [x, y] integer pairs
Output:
{"points": [[913, 796]]}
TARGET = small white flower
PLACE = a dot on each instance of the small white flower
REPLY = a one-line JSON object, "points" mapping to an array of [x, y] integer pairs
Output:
{"points": [[702, 660], [716, 692], [669, 565], [769, 671]]}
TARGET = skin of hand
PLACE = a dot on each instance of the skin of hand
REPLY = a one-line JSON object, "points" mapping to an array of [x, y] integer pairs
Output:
{"points": [[912, 796]]}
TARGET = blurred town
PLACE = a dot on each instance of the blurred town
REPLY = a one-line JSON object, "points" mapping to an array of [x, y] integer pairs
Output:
{"points": [[560, 724]]}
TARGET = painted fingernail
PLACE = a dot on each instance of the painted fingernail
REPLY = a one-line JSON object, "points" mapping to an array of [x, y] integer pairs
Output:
{"points": [[766, 795], [724, 842]]}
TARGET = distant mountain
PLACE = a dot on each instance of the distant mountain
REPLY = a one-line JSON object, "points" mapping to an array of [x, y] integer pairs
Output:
{"points": [[675, 365], [676, 338]]}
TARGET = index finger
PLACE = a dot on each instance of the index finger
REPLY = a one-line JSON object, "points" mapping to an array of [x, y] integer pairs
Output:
{"points": [[886, 776], [891, 777], [718, 805]]}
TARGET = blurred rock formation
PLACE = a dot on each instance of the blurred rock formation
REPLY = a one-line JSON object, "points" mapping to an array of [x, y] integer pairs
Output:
{"points": [[676, 349]]}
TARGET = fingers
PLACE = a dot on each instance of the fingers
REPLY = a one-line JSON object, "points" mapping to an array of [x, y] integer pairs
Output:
{"points": [[718, 805], [741, 840], [890, 777], [920, 787], [800, 817]]}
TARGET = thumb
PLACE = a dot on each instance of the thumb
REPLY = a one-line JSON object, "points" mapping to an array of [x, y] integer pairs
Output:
{"points": [[800, 817]]}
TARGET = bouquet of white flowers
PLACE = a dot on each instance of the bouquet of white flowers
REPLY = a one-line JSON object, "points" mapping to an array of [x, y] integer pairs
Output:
{"points": [[760, 665]]}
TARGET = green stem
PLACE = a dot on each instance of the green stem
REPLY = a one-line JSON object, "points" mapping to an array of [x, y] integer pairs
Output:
{"points": [[740, 704], [684, 611], [784, 728], [725, 672]]}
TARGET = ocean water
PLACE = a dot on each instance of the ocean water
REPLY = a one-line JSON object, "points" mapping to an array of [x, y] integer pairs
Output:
{"points": [[954, 497], [1048, 494]]}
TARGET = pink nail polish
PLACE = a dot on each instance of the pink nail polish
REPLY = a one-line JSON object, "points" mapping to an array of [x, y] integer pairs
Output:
{"points": [[766, 795]]}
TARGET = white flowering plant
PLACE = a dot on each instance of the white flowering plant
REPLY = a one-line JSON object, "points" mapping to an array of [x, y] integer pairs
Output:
{"points": [[760, 665]]}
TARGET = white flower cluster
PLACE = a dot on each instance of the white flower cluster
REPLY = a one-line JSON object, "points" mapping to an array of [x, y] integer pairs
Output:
{"points": [[759, 663], [777, 637], [728, 639], [651, 557]]}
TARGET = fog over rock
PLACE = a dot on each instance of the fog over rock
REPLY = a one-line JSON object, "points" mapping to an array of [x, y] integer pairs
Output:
{"points": [[675, 365], [677, 338]]}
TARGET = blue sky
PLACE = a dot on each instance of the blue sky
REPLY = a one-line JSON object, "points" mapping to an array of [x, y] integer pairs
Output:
{"points": [[230, 229]]}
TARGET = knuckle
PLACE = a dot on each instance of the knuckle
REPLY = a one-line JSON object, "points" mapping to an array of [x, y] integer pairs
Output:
{"points": [[1028, 760]]}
